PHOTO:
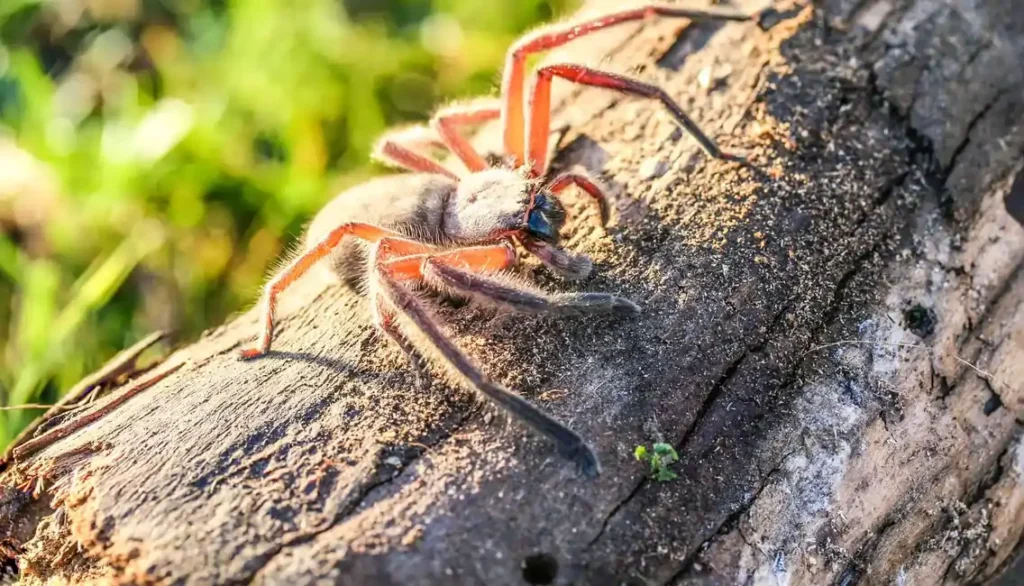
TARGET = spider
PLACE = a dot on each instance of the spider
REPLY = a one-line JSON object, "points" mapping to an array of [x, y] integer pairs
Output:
{"points": [[455, 232]]}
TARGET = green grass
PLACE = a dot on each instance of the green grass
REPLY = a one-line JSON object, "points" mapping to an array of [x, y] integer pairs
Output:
{"points": [[154, 161]]}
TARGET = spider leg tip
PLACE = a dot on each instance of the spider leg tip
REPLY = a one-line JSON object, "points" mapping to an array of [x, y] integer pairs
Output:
{"points": [[734, 157], [422, 381], [625, 306], [578, 267], [249, 353]]}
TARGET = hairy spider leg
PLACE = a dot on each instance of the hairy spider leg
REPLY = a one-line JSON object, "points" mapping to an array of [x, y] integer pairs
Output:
{"points": [[520, 298], [568, 442], [459, 271], [300, 265], [588, 185], [540, 108], [569, 265], [483, 258], [543, 39], [418, 136], [447, 121], [384, 320], [397, 149], [404, 259]]}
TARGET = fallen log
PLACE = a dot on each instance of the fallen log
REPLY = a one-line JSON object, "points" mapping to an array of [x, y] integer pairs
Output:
{"points": [[831, 340]]}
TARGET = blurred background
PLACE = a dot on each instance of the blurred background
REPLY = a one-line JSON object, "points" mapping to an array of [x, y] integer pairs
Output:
{"points": [[157, 155]]}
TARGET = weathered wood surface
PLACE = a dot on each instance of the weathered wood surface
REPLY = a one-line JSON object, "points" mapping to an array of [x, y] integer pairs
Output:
{"points": [[835, 345]]}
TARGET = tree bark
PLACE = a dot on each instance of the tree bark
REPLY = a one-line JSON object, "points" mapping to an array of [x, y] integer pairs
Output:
{"points": [[832, 341]]}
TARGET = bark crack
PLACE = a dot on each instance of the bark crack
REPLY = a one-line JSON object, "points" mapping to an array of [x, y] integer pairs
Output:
{"points": [[734, 520], [966, 140]]}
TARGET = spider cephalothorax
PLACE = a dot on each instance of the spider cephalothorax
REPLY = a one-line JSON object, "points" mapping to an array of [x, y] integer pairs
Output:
{"points": [[456, 232]]}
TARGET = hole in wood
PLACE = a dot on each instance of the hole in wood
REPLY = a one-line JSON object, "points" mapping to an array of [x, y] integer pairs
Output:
{"points": [[540, 568], [920, 320]]}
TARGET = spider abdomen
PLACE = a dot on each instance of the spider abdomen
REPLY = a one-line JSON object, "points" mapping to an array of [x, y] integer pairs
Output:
{"points": [[410, 204]]}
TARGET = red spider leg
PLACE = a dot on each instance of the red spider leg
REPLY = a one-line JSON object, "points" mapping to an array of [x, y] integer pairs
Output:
{"points": [[421, 136], [540, 108], [569, 443], [587, 184], [513, 81], [303, 263], [404, 259], [486, 258], [447, 121], [395, 148]]}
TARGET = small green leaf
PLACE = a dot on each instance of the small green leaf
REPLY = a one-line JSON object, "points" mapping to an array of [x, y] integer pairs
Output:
{"points": [[661, 456], [664, 475], [666, 451], [640, 453]]}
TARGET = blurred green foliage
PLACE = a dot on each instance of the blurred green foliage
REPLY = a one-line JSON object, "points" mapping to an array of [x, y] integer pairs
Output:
{"points": [[157, 155]]}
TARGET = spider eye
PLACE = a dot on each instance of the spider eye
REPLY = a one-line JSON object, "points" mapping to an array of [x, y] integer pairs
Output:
{"points": [[545, 218], [539, 226]]}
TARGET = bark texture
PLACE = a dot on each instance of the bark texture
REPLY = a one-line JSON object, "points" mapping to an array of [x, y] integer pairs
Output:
{"points": [[833, 342]]}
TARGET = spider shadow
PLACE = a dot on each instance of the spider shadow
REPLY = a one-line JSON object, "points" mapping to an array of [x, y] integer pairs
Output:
{"points": [[392, 374], [581, 151], [333, 364]]}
